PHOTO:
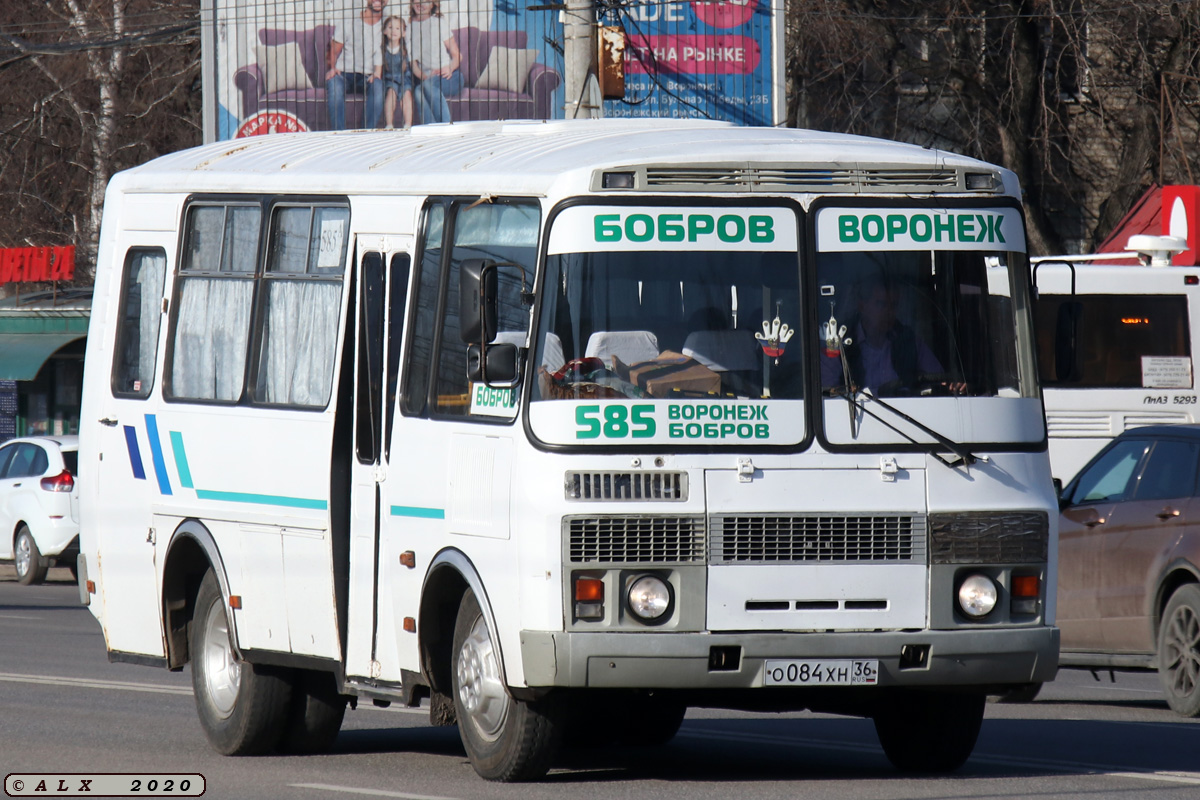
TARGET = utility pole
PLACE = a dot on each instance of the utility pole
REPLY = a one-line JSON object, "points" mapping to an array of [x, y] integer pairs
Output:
{"points": [[581, 99]]}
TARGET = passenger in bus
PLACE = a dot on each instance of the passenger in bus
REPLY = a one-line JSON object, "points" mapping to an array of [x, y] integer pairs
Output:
{"points": [[353, 51], [395, 70], [436, 60], [883, 354]]}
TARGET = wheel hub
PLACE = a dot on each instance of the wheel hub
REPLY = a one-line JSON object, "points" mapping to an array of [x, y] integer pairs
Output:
{"points": [[23, 557], [222, 670], [480, 689], [1182, 652]]}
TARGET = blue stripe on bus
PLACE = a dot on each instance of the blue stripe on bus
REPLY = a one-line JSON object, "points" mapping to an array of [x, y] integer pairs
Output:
{"points": [[417, 511], [135, 455], [185, 474], [262, 499], [160, 465], [185, 480]]}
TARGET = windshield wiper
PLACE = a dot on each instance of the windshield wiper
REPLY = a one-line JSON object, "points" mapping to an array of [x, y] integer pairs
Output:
{"points": [[965, 456]]}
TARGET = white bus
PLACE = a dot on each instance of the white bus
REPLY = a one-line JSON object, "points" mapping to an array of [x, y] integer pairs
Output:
{"points": [[1115, 351], [562, 428]]}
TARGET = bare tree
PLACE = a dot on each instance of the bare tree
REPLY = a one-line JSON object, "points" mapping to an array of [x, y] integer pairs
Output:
{"points": [[91, 87], [1066, 93]]}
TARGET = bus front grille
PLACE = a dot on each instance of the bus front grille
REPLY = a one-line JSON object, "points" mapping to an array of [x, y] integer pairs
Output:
{"points": [[619, 486], [805, 538], [635, 539], [989, 537]]}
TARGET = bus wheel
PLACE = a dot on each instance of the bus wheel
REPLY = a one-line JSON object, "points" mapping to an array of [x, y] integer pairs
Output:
{"points": [[316, 713], [929, 731], [242, 707], [31, 569], [1179, 651], [506, 739]]}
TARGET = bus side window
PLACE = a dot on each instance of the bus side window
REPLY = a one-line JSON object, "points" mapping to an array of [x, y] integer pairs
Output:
{"points": [[210, 340], [506, 233], [302, 291], [136, 349], [397, 287], [425, 302]]}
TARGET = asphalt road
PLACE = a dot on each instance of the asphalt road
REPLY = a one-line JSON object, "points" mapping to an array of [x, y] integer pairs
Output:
{"points": [[64, 708]]}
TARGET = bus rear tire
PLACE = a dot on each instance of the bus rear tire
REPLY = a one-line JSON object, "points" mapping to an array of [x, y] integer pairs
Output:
{"points": [[316, 713], [242, 707], [929, 731], [506, 739]]}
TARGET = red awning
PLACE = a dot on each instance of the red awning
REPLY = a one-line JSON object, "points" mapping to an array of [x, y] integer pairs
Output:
{"points": [[1144, 217]]}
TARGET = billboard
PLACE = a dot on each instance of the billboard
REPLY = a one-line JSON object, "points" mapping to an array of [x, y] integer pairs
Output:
{"points": [[304, 65]]}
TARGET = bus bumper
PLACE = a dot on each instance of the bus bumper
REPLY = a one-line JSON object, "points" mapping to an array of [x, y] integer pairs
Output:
{"points": [[984, 657]]}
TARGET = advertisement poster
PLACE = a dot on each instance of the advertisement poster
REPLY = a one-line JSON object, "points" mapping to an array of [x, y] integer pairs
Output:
{"points": [[281, 66], [697, 59]]}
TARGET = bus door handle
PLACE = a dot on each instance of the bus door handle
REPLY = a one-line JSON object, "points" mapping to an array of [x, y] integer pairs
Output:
{"points": [[112, 423], [1167, 513]]}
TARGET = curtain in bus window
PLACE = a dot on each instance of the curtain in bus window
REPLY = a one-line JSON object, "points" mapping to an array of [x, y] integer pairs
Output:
{"points": [[299, 342], [134, 367], [213, 328]]}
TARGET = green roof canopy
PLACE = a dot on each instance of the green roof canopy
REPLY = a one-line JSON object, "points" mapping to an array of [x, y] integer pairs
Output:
{"points": [[22, 354]]}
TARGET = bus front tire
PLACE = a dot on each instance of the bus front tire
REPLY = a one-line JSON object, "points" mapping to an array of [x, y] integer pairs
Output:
{"points": [[929, 731], [507, 739], [243, 708]]}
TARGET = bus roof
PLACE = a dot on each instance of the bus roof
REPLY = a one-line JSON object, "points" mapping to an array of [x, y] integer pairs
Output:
{"points": [[542, 157]]}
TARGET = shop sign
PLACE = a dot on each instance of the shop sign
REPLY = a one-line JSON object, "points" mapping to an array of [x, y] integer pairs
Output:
{"points": [[32, 264]]}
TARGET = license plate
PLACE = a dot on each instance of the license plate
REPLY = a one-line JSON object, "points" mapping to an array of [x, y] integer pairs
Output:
{"points": [[794, 672]]}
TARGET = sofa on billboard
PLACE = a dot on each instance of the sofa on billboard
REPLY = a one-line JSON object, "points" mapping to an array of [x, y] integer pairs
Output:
{"points": [[502, 78]]}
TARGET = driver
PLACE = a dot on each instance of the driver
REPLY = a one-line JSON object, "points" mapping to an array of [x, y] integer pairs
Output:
{"points": [[882, 351]]}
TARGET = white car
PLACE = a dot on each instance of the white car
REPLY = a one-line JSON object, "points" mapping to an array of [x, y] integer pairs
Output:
{"points": [[39, 504]]}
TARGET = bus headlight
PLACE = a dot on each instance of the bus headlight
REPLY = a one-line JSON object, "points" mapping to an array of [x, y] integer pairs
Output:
{"points": [[977, 596], [649, 598]]}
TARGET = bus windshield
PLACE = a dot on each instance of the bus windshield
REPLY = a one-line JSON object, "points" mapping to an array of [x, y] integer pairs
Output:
{"points": [[904, 315], [696, 306]]}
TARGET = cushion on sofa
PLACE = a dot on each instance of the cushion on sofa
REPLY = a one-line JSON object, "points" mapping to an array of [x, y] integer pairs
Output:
{"points": [[282, 67], [507, 68]]}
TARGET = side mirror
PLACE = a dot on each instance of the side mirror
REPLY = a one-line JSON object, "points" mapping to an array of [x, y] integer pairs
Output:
{"points": [[477, 300], [497, 365]]}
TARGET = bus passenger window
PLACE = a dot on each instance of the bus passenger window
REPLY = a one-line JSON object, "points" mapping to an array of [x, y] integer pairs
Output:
{"points": [[302, 304], [211, 334], [141, 311]]}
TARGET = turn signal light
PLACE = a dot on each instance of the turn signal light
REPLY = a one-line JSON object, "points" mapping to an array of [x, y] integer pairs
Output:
{"points": [[1025, 586], [589, 598], [589, 590]]}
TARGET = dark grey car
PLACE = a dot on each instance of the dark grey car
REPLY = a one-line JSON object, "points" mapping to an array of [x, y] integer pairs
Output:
{"points": [[1129, 560]]}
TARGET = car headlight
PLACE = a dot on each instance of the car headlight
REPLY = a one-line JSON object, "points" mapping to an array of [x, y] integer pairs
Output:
{"points": [[977, 596], [649, 597]]}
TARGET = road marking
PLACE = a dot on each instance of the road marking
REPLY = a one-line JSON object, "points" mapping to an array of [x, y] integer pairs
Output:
{"points": [[16, 616], [1065, 767], [89, 683], [372, 792]]}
